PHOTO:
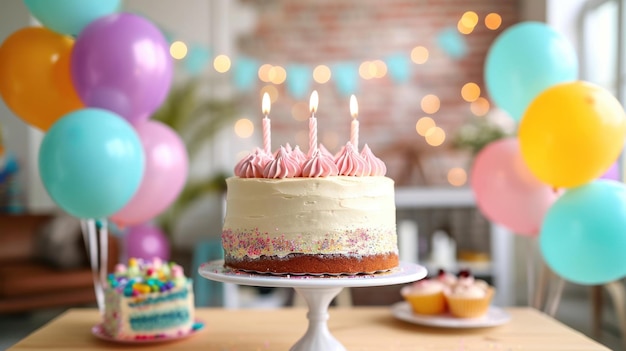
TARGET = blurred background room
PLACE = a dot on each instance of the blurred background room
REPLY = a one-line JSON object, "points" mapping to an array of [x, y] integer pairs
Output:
{"points": [[417, 70]]}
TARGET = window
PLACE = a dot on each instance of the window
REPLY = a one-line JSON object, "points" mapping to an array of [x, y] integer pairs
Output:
{"points": [[600, 50]]}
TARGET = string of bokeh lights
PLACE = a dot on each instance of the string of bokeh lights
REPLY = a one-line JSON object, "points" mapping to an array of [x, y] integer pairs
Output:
{"points": [[425, 126]]}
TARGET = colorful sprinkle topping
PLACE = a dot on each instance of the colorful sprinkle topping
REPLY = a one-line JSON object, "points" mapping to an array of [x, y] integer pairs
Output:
{"points": [[141, 277]]}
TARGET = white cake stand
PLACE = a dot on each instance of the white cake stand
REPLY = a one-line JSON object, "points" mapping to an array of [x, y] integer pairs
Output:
{"points": [[317, 291]]}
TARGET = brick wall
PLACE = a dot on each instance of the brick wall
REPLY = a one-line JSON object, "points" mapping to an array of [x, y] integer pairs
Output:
{"points": [[326, 31]]}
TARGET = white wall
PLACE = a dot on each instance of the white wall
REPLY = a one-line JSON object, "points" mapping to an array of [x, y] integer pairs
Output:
{"points": [[563, 16], [21, 139]]}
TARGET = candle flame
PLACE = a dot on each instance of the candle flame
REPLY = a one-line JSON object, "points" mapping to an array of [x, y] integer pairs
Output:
{"points": [[313, 102], [266, 104], [354, 107]]}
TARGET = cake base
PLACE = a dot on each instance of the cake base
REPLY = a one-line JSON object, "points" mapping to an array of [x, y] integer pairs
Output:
{"points": [[315, 264]]}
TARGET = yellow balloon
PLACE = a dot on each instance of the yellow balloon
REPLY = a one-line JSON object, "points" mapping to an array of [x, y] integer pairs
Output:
{"points": [[35, 78], [572, 133]]}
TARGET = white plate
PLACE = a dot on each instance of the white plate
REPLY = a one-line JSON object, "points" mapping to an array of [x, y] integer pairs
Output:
{"points": [[98, 331], [495, 316]]}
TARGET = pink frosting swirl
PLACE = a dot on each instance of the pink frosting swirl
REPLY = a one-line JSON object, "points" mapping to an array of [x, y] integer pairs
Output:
{"points": [[252, 165], [288, 148], [319, 165], [325, 151], [350, 163], [282, 166], [377, 166], [297, 155]]}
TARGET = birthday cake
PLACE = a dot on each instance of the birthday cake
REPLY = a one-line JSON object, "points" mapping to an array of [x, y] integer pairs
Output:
{"points": [[148, 300], [291, 213]]}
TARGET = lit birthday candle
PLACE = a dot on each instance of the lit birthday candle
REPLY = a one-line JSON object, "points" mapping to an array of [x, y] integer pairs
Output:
{"points": [[267, 134], [313, 122], [354, 127]]}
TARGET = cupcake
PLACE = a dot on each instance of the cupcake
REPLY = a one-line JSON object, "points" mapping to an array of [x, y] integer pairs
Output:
{"points": [[425, 296], [448, 279], [469, 297]]}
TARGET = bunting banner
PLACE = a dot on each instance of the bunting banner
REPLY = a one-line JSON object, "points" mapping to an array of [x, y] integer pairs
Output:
{"points": [[344, 74]]}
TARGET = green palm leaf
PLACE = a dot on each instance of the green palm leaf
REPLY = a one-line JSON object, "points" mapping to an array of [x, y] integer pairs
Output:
{"points": [[197, 119]]}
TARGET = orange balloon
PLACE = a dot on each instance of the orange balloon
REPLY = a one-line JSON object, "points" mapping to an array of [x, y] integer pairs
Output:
{"points": [[35, 78]]}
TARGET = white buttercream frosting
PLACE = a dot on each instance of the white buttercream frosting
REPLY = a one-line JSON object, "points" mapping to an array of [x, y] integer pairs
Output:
{"points": [[423, 287], [468, 292], [330, 215]]}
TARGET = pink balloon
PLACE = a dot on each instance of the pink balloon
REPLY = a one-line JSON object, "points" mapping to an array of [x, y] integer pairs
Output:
{"points": [[146, 241], [506, 191], [164, 176]]}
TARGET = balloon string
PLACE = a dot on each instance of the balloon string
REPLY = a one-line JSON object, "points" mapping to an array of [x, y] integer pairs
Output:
{"points": [[91, 243], [541, 288], [85, 230], [530, 270], [555, 299], [104, 255]]}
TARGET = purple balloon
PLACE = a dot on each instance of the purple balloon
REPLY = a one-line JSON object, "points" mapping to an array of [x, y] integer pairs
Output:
{"points": [[121, 63], [612, 173], [147, 241]]}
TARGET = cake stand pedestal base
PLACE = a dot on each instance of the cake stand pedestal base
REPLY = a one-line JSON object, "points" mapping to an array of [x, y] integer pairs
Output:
{"points": [[317, 336], [317, 291]]}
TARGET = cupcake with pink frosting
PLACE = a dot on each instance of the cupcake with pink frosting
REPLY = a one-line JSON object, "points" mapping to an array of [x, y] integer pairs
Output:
{"points": [[425, 296], [446, 278], [469, 297]]}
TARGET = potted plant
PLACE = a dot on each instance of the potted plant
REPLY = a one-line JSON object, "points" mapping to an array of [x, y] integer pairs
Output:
{"points": [[197, 118]]}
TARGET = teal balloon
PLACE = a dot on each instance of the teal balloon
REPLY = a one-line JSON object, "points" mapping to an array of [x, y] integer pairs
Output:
{"points": [[523, 61], [91, 162], [70, 16], [583, 237]]}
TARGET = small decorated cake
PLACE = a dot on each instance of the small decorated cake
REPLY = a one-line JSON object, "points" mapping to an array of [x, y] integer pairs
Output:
{"points": [[425, 296], [147, 300], [469, 297]]}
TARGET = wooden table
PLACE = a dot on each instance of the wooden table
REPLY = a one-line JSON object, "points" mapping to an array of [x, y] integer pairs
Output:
{"points": [[358, 328]]}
